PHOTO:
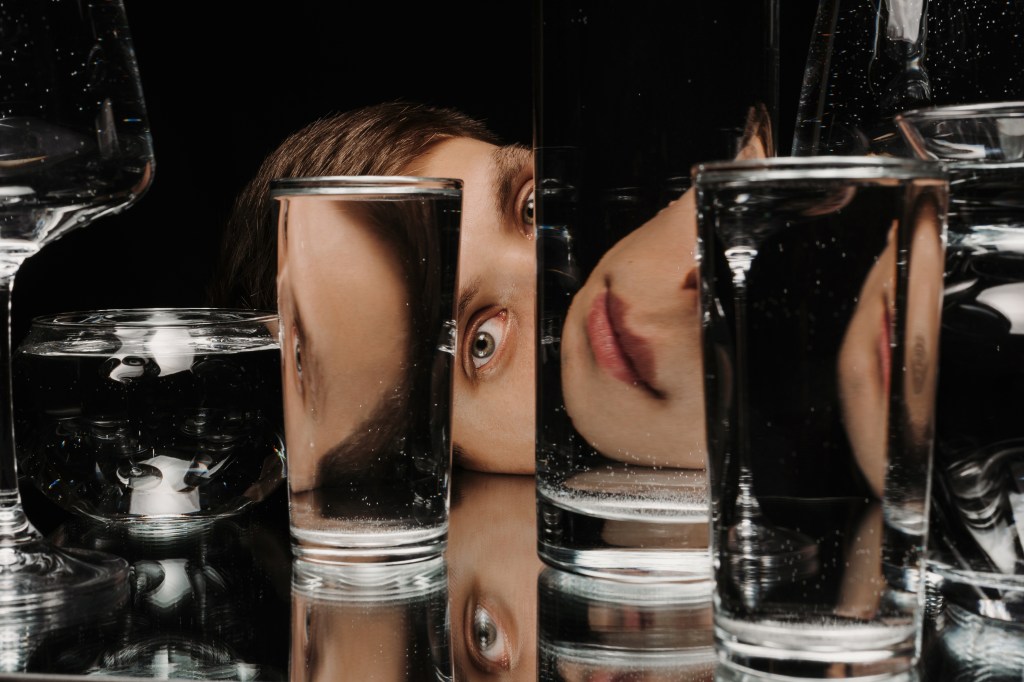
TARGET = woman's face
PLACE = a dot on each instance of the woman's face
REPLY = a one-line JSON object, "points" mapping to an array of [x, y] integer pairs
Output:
{"points": [[342, 343], [493, 390], [631, 355]]}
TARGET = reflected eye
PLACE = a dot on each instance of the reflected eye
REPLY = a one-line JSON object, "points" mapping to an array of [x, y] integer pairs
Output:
{"points": [[486, 339], [488, 639], [526, 212]]}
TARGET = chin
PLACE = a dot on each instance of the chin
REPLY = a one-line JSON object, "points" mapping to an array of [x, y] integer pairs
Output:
{"points": [[657, 445]]}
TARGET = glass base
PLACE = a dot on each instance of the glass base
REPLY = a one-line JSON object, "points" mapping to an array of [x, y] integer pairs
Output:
{"points": [[635, 565], [332, 547], [642, 547], [373, 583], [817, 649], [38, 579]]}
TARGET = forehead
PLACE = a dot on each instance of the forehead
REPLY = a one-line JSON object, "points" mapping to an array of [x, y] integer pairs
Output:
{"points": [[473, 162], [458, 157]]}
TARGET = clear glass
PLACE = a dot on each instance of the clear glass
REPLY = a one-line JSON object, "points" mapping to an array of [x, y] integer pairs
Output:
{"points": [[74, 146], [621, 117], [366, 294], [978, 479], [157, 418], [820, 293]]}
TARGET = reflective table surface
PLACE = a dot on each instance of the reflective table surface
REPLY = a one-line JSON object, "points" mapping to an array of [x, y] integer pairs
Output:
{"points": [[230, 603]]}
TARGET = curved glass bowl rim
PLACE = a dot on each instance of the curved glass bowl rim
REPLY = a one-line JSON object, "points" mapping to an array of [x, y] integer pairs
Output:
{"points": [[1001, 581], [201, 317], [1013, 109], [819, 168], [364, 184]]}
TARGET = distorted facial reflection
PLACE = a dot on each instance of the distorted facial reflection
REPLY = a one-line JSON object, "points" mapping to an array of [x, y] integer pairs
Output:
{"points": [[493, 569], [865, 368], [493, 393], [344, 348], [354, 641], [596, 629], [631, 357]]}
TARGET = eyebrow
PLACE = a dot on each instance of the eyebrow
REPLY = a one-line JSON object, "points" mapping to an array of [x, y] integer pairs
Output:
{"points": [[510, 164], [466, 297]]}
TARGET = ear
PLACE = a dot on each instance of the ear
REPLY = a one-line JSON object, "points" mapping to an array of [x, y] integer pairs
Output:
{"points": [[758, 139]]}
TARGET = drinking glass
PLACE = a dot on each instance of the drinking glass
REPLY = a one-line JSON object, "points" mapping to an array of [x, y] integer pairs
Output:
{"points": [[74, 146], [622, 114], [820, 292], [978, 480], [157, 419], [366, 294]]}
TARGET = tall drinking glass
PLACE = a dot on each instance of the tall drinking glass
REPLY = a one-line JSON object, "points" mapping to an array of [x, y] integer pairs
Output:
{"points": [[820, 292], [621, 117], [366, 286], [74, 146], [976, 552]]}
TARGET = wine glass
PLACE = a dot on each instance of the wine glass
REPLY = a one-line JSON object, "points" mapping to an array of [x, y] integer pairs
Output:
{"points": [[74, 146]]}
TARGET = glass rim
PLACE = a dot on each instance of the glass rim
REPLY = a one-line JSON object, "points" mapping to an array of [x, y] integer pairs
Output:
{"points": [[141, 318], [1008, 109], [364, 184], [1004, 581], [819, 168]]}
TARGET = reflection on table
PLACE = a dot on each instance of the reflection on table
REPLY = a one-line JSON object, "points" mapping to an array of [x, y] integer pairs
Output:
{"points": [[230, 603]]}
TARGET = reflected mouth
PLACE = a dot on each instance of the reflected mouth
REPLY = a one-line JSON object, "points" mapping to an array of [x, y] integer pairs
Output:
{"points": [[616, 350]]}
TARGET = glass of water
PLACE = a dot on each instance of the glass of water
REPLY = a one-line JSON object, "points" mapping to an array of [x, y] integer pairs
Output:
{"points": [[820, 296], [976, 554], [155, 418], [366, 283]]}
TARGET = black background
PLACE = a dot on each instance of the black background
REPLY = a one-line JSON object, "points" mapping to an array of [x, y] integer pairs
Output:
{"points": [[226, 82]]}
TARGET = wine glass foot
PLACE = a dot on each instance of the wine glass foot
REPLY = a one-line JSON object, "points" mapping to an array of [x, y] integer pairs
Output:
{"points": [[39, 581]]}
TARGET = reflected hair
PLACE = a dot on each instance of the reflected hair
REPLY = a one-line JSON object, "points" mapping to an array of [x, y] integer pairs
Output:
{"points": [[381, 139]]}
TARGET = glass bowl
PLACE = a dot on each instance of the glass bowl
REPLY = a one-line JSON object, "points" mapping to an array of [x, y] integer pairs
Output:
{"points": [[975, 133], [155, 417]]}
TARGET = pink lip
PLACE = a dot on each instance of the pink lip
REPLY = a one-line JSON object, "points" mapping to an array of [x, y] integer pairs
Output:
{"points": [[624, 355]]}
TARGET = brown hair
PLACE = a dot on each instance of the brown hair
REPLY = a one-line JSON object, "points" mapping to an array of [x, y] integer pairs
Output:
{"points": [[380, 139]]}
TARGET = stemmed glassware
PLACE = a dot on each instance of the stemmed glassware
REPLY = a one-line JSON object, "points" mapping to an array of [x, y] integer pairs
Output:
{"points": [[74, 146]]}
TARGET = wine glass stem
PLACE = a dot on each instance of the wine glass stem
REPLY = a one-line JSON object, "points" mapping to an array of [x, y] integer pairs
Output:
{"points": [[14, 525]]}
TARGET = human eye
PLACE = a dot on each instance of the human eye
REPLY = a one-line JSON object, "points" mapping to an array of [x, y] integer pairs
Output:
{"points": [[488, 641], [486, 338], [526, 210]]}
